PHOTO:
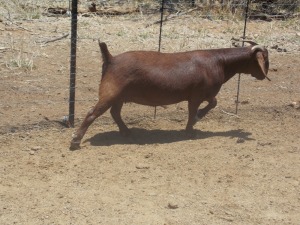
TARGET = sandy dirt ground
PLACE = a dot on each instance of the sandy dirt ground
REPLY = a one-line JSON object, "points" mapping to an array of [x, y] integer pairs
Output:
{"points": [[238, 169]]}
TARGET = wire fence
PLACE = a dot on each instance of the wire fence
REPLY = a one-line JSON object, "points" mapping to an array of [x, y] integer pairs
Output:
{"points": [[35, 43], [211, 9]]}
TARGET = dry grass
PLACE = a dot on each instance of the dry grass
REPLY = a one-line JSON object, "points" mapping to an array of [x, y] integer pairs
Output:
{"points": [[209, 28]]}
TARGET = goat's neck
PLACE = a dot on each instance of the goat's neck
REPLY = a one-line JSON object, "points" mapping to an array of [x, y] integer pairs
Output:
{"points": [[236, 61]]}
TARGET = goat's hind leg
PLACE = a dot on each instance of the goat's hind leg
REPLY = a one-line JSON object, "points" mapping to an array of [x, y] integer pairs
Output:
{"points": [[115, 112], [96, 111]]}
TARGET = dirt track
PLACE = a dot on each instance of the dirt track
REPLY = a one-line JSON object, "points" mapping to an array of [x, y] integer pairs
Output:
{"points": [[237, 170]]}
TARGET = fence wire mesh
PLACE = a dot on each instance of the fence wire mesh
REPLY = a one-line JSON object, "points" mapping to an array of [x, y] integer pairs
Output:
{"points": [[35, 43]]}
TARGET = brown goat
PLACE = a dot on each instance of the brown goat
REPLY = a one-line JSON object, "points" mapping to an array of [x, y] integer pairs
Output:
{"points": [[155, 79]]}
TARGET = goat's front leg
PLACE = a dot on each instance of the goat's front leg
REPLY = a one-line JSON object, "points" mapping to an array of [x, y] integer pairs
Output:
{"points": [[193, 107], [212, 103]]}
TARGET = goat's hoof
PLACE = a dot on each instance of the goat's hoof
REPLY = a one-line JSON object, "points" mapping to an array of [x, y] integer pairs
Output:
{"points": [[74, 146], [190, 133], [125, 133]]}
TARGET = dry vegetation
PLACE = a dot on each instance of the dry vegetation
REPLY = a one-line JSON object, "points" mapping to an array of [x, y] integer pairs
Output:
{"points": [[239, 169]]}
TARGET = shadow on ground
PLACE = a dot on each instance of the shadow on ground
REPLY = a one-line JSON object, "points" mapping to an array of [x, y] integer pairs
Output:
{"points": [[143, 136]]}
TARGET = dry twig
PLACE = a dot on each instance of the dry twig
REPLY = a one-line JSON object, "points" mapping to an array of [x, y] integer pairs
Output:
{"points": [[230, 114], [172, 16], [56, 39], [14, 23]]}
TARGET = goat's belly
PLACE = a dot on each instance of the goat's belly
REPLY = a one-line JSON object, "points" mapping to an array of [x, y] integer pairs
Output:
{"points": [[156, 97]]}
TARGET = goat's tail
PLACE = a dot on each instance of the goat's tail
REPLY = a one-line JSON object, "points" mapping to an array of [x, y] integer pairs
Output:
{"points": [[106, 56]]}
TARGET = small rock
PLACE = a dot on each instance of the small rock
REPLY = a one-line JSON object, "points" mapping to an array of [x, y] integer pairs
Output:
{"points": [[240, 140], [245, 102], [264, 143], [172, 206], [36, 148], [281, 50], [31, 152], [295, 105], [152, 194], [92, 7], [142, 167], [274, 47], [59, 195], [148, 155]]}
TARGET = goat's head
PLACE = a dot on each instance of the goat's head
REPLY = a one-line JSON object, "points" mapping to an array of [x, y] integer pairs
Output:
{"points": [[259, 64]]}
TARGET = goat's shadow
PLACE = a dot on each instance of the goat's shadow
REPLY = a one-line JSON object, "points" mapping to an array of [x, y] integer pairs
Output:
{"points": [[143, 136]]}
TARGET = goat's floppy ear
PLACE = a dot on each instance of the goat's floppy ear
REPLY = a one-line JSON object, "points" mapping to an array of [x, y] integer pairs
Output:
{"points": [[262, 63]]}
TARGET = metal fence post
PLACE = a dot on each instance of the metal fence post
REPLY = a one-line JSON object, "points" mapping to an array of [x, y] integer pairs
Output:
{"points": [[239, 77], [160, 33], [74, 12]]}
